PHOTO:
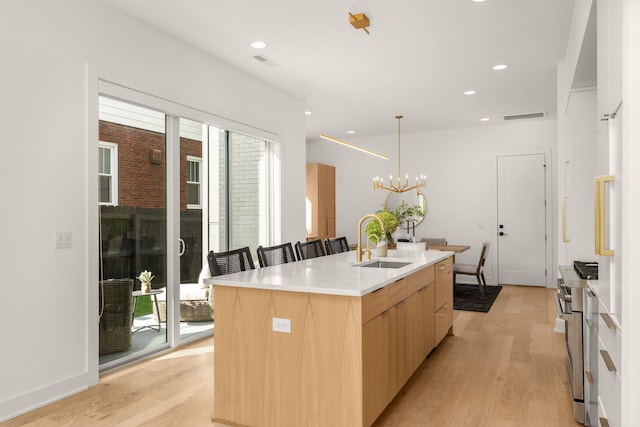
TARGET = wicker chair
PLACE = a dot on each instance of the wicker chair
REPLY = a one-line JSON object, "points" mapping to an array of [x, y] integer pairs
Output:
{"points": [[115, 319], [312, 249], [230, 262], [336, 246], [274, 255]]}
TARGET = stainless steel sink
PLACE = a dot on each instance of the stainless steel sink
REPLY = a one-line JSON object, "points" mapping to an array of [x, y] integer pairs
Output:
{"points": [[384, 264]]}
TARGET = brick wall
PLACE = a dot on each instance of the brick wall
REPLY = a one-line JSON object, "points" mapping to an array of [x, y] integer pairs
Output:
{"points": [[141, 183]]}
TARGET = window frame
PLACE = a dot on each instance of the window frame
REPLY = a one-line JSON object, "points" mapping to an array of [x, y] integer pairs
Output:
{"points": [[113, 150], [198, 161]]}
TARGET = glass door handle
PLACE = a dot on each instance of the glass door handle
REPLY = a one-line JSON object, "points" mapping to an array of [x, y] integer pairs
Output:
{"points": [[183, 247]]}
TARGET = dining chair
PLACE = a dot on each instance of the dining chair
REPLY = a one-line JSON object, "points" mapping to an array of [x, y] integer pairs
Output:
{"points": [[337, 245], [312, 249], [274, 255], [434, 241], [229, 262], [476, 270]]}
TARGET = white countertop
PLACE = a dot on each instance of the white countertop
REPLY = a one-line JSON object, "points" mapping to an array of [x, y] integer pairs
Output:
{"points": [[332, 274]]}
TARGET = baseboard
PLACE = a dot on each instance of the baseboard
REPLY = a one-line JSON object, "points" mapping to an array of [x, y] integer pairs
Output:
{"points": [[38, 398]]}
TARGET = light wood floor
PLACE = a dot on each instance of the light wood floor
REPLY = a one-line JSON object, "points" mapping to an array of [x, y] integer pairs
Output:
{"points": [[503, 368]]}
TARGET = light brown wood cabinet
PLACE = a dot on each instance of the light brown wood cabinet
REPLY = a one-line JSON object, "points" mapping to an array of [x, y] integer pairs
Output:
{"points": [[443, 299], [397, 336], [342, 363], [321, 193]]}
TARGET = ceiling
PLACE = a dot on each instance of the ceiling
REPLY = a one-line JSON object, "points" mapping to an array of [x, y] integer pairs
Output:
{"points": [[419, 58]]}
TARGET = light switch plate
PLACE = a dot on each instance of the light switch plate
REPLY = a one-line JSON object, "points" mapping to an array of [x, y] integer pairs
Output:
{"points": [[281, 325], [62, 240]]}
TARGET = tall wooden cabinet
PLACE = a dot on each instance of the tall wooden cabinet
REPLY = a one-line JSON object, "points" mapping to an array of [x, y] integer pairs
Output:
{"points": [[321, 200]]}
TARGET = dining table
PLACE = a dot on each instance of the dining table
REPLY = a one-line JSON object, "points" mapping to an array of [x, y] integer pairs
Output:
{"points": [[453, 248]]}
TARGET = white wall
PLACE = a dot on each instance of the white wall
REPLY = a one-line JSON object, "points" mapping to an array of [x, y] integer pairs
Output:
{"points": [[46, 46], [461, 183]]}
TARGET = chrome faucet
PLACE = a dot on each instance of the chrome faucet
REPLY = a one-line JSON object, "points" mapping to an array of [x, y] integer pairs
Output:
{"points": [[359, 251]]}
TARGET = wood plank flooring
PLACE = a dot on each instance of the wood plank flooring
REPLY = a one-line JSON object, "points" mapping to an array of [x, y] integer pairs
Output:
{"points": [[502, 368]]}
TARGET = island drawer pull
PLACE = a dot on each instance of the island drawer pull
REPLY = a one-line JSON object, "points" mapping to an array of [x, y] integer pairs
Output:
{"points": [[607, 361], [608, 321], [589, 376], [604, 422]]}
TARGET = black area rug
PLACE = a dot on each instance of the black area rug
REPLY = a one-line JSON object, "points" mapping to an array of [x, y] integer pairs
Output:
{"points": [[469, 297]]}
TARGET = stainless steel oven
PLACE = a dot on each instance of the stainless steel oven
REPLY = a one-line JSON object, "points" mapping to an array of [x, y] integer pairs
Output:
{"points": [[569, 302]]}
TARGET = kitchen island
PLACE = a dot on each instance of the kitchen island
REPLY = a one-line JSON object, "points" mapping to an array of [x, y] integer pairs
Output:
{"points": [[326, 341]]}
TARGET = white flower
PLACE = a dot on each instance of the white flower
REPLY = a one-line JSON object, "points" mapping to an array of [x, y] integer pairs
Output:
{"points": [[146, 276]]}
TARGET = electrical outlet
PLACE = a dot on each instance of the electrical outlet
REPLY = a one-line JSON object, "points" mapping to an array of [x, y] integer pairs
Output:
{"points": [[281, 325], [62, 240]]}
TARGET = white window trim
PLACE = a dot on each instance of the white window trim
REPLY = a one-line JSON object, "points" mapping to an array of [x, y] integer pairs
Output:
{"points": [[199, 161], [114, 172]]}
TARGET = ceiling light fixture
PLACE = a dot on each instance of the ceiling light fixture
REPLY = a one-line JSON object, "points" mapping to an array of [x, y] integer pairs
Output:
{"points": [[355, 147], [470, 92], [359, 21], [351, 132], [258, 44], [485, 119], [307, 113], [499, 67], [400, 187]]}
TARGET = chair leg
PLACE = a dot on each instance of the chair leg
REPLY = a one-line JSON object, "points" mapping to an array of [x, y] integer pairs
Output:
{"points": [[482, 288]]}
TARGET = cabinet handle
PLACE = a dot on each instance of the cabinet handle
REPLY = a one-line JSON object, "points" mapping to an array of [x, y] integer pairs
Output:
{"points": [[589, 376], [565, 239], [600, 214], [604, 422], [608, 321], [607, 361], [589, 293]]}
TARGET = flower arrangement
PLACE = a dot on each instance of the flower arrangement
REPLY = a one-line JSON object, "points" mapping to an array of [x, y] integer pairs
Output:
{"points": [[146, 277], [374, 231], [406, 212]]}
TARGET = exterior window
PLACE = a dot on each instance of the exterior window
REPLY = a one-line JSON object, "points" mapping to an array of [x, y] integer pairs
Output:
{"points": [[194, 181], [107, 173]]}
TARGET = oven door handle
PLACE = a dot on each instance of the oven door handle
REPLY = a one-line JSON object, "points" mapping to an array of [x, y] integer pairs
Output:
{"points": [[561, 314]]}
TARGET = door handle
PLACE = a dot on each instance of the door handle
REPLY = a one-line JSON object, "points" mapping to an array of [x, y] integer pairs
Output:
{"points": [[503, 233], [183, 247], [600, 210], [565, 239]]}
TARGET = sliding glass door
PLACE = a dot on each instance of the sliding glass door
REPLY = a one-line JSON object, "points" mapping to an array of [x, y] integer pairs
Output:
{"points": [[133, 223], [171, 189]]}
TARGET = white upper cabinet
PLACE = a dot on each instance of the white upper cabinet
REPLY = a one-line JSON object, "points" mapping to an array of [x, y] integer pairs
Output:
{"points": [[609, 57]]}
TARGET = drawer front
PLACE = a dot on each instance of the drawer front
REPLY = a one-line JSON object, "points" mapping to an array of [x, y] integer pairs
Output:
{"points": [[444, 282], [611, 336], [609, 389], [444, 320], [420, 279], [374, 303], [397, 292]]}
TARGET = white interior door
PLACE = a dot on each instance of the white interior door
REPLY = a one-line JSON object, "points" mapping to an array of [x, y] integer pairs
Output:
{"points": [[522, 218]]}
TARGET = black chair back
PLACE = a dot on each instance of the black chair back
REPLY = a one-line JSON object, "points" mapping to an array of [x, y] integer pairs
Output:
{"points": [[336, 246], [312, 249], [274, 255], [230, 262]]}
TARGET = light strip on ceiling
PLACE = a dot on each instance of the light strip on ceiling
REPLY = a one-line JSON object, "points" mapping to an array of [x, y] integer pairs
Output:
{"points": [[355, 147]]}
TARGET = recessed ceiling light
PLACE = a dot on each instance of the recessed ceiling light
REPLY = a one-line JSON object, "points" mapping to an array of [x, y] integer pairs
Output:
{"points": [[307, 113], [470, 92], [478, 1], [351, 131], [499, 67], [485, 119], [258, 45]]}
